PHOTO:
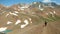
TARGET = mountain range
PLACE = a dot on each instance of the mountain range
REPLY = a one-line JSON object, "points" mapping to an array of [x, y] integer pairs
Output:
{"points": [[34, 18]]}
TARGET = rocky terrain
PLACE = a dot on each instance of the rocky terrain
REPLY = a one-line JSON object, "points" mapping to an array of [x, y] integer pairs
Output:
{"points": [[34, 18]]}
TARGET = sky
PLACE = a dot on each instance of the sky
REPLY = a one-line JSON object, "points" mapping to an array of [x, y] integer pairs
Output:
{"points": [[11, 2]]}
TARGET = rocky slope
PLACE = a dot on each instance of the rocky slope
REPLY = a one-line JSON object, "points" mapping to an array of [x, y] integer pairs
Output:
{"points": [[34, 18]]}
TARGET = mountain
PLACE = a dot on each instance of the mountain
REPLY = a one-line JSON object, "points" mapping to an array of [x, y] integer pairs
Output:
{"points": [[50, 4], [36, 4], [34, 18], [42, 4]]}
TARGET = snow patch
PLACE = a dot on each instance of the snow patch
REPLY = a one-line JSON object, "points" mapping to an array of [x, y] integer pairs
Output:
{"points": [[23, 7], [7, 15], [54, 12], [16, 11], [39, 6], [17, 22], [30, 20], [41, 9], [9, 22], [51, 13], [13, 14], [3, 29], [26, 23], [34, 2]]}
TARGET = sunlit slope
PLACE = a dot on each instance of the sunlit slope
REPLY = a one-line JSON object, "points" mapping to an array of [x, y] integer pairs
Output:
{"points": [[33, 17]]}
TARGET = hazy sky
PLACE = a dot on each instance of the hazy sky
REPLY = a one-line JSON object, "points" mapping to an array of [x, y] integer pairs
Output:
{"points": [[11, 2]]}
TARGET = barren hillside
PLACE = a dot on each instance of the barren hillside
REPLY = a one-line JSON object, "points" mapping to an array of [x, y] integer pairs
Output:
{"points": [[35, 18]]}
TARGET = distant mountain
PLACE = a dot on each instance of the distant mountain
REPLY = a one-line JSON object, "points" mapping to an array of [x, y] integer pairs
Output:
{"points": [[42, 4], [50, 4], [36, 4]]}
